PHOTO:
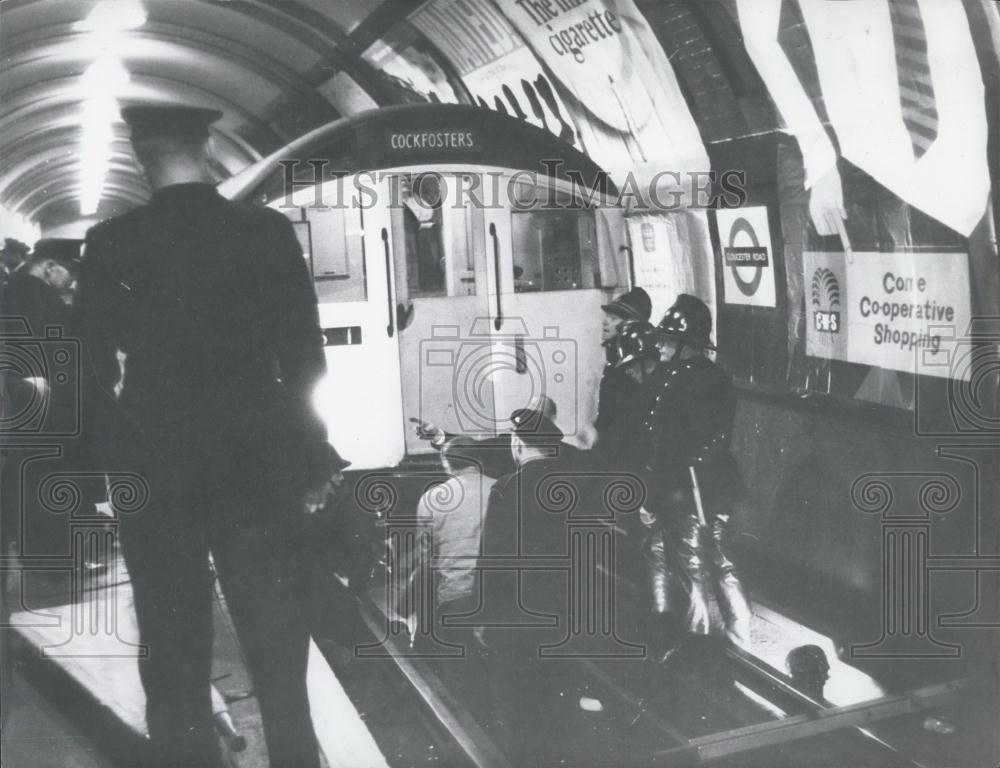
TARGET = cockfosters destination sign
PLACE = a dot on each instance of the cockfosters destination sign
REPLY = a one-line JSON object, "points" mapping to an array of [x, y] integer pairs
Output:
{"points": [[900, 311], [416, 141]]}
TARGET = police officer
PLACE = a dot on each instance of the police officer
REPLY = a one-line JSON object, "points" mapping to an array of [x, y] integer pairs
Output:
{"points": [[34, 305], [692, 477], [13, 256], [337, 539], [637, 356], [211, 304], [618, 417], [645, 553], [344, 545]]}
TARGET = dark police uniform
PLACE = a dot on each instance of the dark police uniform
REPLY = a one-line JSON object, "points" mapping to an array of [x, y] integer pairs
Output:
{"points": [[620, 410], [690, 424], [212, 304], [38, 303], [616, 414]]}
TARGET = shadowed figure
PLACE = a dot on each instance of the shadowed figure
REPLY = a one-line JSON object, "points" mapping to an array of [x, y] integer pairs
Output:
{"points": [[212, 305], [809, 669]]}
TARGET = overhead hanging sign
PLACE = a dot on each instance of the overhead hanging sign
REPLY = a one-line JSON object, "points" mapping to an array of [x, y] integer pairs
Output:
{"points": [[747, 257], [899, 311]]}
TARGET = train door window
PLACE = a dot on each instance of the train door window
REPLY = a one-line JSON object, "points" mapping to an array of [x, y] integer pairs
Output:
{"points": [[436, 237], [554, 250], [337, 253]]}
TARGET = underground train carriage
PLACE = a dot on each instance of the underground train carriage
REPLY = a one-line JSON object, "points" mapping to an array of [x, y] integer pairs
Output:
{"points": [[460, 260]]}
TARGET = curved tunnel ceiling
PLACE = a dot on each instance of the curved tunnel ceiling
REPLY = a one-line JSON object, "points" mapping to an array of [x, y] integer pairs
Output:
{"points": [[259, 64], [276, 70]]}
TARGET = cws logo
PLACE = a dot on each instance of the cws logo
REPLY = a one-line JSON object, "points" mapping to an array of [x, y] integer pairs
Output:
{"points": [[825, 301]]}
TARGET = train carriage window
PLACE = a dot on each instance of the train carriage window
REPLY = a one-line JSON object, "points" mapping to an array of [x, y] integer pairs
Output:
{"points": [[554, 250], [436, 238], [338, 257]]}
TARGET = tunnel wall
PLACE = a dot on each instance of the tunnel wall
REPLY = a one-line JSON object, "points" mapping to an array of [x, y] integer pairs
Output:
{"points": [[812, 531]]}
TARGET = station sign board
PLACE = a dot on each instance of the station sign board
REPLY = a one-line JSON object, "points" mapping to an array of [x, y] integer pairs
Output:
{"points": [[747, 257]]}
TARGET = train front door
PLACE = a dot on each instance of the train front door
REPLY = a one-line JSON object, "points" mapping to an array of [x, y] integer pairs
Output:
{"points": [[442, 291], [349, 248], [501, 305]]}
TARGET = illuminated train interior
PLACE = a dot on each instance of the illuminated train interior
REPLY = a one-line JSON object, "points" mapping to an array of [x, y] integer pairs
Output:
{"points": [[472, 184]]}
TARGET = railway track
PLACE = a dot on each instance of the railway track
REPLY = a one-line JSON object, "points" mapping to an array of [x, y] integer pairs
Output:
{"points": [[726, 708]]}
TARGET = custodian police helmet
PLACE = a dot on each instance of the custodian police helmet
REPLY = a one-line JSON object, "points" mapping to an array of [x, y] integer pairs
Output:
{"points": [[689, 320], [635, 341]]}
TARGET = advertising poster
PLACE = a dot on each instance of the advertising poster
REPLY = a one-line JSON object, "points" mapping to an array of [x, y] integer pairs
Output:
{"points": [[671, 254], [613, 74], [904, 96], [494, 63], [898, 311], [747, 257]]}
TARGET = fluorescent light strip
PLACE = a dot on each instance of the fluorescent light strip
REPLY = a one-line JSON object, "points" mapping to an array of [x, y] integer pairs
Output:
{"points": [[103, 81]]}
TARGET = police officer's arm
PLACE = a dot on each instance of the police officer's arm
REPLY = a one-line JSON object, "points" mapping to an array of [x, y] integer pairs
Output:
{"points": [[99, 309], [298, 340], [602, 423]]}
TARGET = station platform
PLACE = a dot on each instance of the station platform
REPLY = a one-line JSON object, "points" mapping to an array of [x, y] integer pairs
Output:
{"points": [[74, 649], [37, 734]]}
